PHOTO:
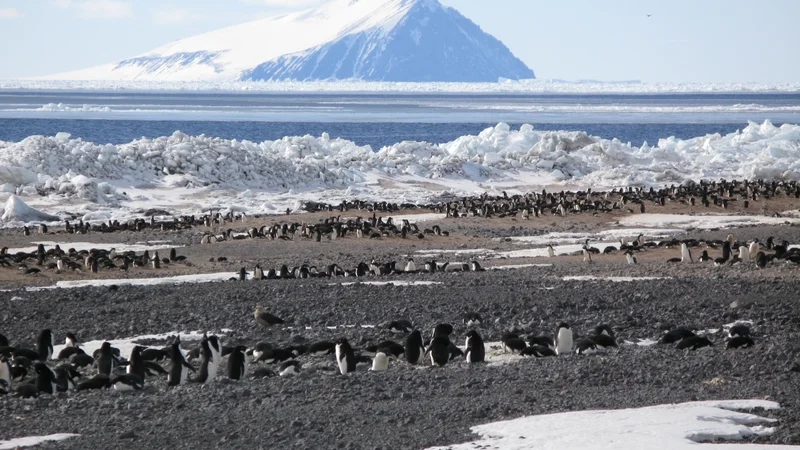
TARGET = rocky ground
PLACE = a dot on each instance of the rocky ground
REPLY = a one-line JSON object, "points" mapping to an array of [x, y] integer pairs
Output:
{"points": [[411, 407]]}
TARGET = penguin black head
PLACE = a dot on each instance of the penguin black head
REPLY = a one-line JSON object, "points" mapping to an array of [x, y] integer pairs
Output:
{"points": [[443, 330], [563, 325]]}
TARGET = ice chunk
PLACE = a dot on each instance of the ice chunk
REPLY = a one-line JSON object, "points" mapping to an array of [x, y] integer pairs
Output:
{"points": [[18, 211]]}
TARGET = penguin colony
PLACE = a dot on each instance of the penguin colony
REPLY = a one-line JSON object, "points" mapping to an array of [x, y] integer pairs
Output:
{"points": [[94, 260], [28, 372]]}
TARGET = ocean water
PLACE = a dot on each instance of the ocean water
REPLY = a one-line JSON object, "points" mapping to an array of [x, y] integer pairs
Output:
{"points": [[380, 119], [377, 135]]}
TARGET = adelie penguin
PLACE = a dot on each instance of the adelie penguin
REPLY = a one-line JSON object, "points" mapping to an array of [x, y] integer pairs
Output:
{"points": [[211, 354], [71, 341], [44, 345], [45, 379], [414, 350], [289, 368], [693, 343], [673, 336], [66, 375], [237, 363], [106, 362], [563, 340], [99, 381], [739, 329], [380, 362], [476, 351], [136, 363], [345, 358], [127, 382], [179, 368], [439, 350], [740, 342], [472, 319]]}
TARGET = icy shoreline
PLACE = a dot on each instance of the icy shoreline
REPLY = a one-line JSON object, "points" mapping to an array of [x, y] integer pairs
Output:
{"points": [[187, 173]]}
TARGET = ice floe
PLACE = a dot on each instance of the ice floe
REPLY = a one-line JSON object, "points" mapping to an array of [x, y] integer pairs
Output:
{"points": [[667, 427]]}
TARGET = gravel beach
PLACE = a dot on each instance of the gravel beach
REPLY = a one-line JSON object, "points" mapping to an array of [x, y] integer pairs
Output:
{"points": [[411, 407]]}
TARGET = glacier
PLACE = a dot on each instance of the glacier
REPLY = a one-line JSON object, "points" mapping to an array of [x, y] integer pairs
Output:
{"points": [[369, 40], [187, 174]]}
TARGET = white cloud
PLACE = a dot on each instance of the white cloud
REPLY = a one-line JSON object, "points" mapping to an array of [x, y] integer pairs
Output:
{"points": [[97, 9], [9, 13]]}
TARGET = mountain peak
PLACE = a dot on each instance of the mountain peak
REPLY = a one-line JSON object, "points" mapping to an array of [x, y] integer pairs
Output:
{"points": [[375, 40]]}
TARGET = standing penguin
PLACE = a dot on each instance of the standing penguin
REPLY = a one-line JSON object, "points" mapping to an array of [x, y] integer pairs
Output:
{"points": [[71, 341], [45, 379], [237, 363], [345, 357], [258, 273], [761, 260], [179, 368], [415, 351], [380, 362], [44, 345], [686, 254], [439, 350], [563, 339], [210, 358], [136, 363], [5, 370], [106, 361], [476, 352]]}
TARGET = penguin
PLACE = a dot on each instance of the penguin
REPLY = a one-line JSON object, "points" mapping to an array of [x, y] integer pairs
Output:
{"points": [[744, 254], [99, 381], [5, 370], [266, 319], [259, 350], [26, 391], [693, 343], [127, 382], [686, 254], [704, 256], [411, 266], [45, 379], [237, 363], [5, 387], [155, 354], [18, 373], [476, 351], [673, 336], [71, 341], [345, 357], [563, 340], [136, 363], [400, 326], [739, 342], [587, 257], [761, 260], [538, 351], [321, 348], [739, 329], [472, 319], [630, 258], [81, 360], [380, 362], [475, 266], [275, 355], [439, 351], [585, 346], [289, 368], [514, 344], [179, 368], [443, 330], [544, 341], [242, 274], [66, 374], [211, 354], [414, 350], [602, 341], [3, 341], [44, 345], [106, 361], [68, 352], [258, 273], [754, 247], [550, 252], [604, 329]]}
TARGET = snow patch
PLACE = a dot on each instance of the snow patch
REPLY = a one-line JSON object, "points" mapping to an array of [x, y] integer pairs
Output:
{"points": [[79, 246], [612, 279], [672, 427], [199, 278], [703, 222], [387, 283], [32, 441]]}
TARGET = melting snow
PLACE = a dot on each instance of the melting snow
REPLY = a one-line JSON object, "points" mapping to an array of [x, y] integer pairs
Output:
{"points": [[78, 246], [703, 222], [612, 279], [667, 427], [394, 283], [198, 278]]}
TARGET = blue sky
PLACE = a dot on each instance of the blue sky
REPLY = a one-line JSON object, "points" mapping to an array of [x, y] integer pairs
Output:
{"points": [[682, 40]]}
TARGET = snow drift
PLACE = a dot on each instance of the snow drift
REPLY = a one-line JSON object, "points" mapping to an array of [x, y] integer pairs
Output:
{"points": [[376, 40]]}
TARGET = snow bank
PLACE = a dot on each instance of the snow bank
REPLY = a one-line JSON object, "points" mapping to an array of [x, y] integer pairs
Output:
{"points": [[60, 107], [668, 427], [17, 210]]}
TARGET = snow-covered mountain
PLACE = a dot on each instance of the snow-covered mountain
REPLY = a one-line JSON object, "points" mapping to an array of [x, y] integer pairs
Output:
{"points": [[373, 40]]}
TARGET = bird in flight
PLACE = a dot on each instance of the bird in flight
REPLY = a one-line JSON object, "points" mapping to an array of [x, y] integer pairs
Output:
{"points": [[649, 15]]}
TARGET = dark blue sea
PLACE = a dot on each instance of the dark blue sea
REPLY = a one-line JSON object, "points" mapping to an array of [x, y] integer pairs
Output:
{"points": [[379, 119]]}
